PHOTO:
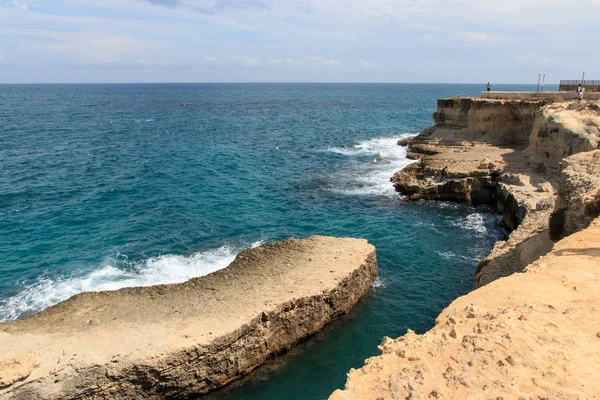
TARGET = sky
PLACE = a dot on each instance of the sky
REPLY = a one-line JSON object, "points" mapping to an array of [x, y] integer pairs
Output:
{"points": [[453, 41]]}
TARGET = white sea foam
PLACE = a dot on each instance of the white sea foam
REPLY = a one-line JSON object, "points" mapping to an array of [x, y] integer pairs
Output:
{"points": [[448, 255], [378, 283], [372, 177], [475, 222], [46, 291]]}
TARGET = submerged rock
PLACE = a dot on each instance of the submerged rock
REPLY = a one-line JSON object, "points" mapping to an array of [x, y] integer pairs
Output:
{"points": [[176, 341]]}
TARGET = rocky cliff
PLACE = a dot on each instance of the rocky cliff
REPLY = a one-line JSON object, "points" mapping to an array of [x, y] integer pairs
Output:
{"points": [[485, 120], [534, 335], [563, 129], [507, 153], [578, 201], [176, 341]]}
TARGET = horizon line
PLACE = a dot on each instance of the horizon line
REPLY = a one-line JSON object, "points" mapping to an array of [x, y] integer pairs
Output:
{"points": [[265, 82]]}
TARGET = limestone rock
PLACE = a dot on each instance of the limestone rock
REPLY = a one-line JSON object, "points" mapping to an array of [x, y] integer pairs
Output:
{"points": [[563, 129], [405, 141], [504, 153], [579, 194], [534, 333], [17, 369], [178, 341], [513, 179], [486, 163], [545, 187]]}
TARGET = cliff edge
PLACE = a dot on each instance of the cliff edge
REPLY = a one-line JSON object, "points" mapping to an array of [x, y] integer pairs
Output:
{"points": [[512, 154], [534, 335], [176, 341]]}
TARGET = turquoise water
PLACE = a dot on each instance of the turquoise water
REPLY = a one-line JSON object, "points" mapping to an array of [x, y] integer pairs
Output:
{"points": [[108, 186]]}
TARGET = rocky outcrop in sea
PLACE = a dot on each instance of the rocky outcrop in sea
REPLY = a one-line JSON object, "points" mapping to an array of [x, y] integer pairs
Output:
{"points": [[181, 340]]}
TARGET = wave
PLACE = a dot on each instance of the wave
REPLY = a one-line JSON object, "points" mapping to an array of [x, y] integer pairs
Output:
{"points": [[47, 291], [448, 255], [384, 146], [474, 222], [378, 283], [372, 176]]}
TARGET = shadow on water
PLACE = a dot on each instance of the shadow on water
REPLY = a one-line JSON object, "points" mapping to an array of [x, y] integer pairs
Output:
{"points": [[339, 338]]}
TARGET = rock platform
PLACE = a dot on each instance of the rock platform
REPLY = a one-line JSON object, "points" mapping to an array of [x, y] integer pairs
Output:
{"points": [[177, 341]]}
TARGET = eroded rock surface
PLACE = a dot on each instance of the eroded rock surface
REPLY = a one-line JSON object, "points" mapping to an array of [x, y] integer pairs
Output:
{"points": [[531, 335], [175, 341], [564, 129], [508, 154], [578, 200]]}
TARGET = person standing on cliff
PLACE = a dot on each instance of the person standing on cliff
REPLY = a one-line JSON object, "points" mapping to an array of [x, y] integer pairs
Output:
{"points": [[443, 174], [489, 86], [580, 90]]}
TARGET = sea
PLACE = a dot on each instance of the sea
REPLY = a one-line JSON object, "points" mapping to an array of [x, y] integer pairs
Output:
{"points": [[106, 186]]}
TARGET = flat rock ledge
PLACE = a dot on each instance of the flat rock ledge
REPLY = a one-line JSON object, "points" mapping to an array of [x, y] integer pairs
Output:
{"points": [[178, 341], [525, 158], [534, 335]]}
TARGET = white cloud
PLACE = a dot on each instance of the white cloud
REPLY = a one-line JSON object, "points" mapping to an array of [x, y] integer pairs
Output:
{"points": [[368, 63], [232, 24], [247, 61], [464, 65], [273, 35], [533, 59], [20, 4], [213, 6], [314, 61], [308, 61], [283, 61], [476, 36], [88, 47]]}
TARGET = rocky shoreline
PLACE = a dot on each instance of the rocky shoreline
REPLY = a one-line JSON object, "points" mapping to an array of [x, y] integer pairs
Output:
{"points": [[511, 154], [534, 335], [528, 335], [177, 341]]}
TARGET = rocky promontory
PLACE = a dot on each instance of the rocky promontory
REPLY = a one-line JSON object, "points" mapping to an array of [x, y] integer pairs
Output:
{"points": [[512, 154], [530, 335], [177, 341], [534, 335]]}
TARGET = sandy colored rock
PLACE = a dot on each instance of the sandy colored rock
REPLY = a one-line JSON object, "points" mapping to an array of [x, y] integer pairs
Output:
{"points": [[473, 119], [405, 141], [506, 153], [563, 129], [17, 369], [173, 341], [578, 200], [530, 335]]}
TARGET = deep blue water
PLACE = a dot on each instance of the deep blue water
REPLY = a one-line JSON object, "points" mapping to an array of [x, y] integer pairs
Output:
{"points": [[107, 186]]}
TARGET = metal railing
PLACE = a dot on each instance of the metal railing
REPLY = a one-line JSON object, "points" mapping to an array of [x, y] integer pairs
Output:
{"points": [[577, 82]]}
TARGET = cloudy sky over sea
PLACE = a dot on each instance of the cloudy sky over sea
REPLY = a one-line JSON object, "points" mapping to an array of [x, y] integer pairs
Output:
{"points": [[298, 40]]}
